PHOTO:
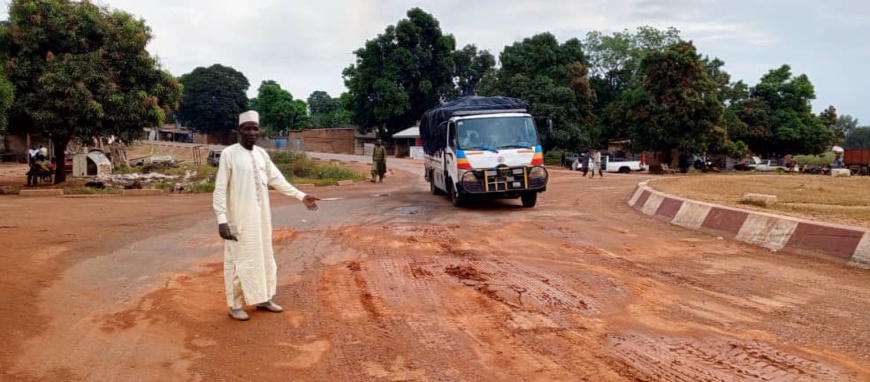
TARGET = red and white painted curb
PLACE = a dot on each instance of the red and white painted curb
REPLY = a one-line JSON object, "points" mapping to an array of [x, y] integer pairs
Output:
{"points": [[779, 233]]}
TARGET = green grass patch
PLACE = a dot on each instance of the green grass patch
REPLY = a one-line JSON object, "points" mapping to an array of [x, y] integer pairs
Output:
{"points": [[125, 169], [207, 187], [91, 191], [299, 169], [165, 186]]}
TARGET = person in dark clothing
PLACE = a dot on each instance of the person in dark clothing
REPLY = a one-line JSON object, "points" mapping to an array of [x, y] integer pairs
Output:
{"points": [[37, 169]]}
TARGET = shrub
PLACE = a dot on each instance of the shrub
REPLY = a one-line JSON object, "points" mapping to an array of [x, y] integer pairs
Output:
{"points": [[554, 157], [815, 160], [206, 187], [165, 186], [298, 168]]}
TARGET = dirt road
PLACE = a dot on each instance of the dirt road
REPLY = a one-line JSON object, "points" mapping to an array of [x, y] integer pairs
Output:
{"points": [[394, 284]]}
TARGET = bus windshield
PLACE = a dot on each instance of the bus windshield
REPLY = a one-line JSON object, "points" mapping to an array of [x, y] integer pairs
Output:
{"points": [[496, 133]]}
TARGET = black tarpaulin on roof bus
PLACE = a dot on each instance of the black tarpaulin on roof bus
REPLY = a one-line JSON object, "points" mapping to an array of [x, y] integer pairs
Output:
{"points": [[433, 128]]}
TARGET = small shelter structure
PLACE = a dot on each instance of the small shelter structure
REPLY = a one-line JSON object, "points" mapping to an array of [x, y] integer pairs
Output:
{"points": [[408, 143]]}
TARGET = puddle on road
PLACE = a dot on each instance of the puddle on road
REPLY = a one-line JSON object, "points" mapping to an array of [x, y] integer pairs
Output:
{"points": [[409, 210]]}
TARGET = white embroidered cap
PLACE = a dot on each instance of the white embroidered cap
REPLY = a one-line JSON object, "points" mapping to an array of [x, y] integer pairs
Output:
{"points": [[249, 116]]}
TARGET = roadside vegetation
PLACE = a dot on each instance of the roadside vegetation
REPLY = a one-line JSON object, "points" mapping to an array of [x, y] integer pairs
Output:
{"points": [[296, 167]]}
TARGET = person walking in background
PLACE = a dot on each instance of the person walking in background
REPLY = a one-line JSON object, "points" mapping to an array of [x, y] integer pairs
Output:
{"points": [[379, 162], [596, 164]]}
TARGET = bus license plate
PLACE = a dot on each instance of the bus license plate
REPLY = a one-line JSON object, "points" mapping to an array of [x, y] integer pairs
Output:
{"points": [[517, 184], [510, 179]]}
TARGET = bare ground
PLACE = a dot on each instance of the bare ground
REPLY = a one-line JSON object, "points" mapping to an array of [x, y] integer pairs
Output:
{"points": [[835, 200], [394, 284]]}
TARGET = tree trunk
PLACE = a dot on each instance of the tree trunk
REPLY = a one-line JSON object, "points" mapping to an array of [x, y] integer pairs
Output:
{"points": [[60, 159]]}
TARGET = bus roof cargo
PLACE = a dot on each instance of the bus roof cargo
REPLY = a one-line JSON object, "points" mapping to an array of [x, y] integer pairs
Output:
{"points": [[433, 130]]}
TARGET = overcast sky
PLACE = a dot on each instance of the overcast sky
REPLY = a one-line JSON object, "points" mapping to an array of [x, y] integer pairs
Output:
{"points": [[304, 45]]}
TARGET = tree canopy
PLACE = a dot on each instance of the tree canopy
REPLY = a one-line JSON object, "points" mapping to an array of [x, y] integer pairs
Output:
{"points": [[213, 99], [471, 66], [779, 118], [81, 71], [859, 138], [553, 79], [327, 112], [603, 87], [401, 73], [676, 106], [279, 112], [78, 71]]}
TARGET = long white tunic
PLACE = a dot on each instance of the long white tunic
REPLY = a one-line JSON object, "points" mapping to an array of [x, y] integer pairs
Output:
{"points": [[241, 199]]}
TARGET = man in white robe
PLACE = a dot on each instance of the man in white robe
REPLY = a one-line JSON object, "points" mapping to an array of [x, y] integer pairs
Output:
{"points": [[241, 203]]}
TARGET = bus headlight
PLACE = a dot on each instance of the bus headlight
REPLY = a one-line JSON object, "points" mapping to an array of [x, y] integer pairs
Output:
{"points": [[538, 173], [468, 176]]}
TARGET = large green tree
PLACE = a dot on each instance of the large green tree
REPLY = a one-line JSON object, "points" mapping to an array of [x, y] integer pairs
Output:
{"points": [[213, 98], [327, 112], [81, 71], [553, 79], [614, 60], [471, 66], [677, 105], [779, 118], [279, 112], [400, 74], [859, 138]]}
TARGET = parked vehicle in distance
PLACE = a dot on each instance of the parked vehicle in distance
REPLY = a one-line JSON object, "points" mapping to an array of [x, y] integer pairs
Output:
{"points": [[622, 166], [765, 165], [214, 158], [569, 159], [857, 160]]}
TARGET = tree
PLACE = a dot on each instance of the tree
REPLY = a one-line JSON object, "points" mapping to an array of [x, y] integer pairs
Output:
{"points": [[327, 112], [779, 118], [213, 98], [846, 123], [279, 112], [859, 138], [7, 96], [553, 79], [81, 71], [471, 66], [614, 60], [828, 118], [731, 94], [677, 106], [400, 74]]}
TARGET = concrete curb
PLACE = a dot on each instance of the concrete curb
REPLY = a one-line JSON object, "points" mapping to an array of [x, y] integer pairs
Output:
{"points": [[778, 233]]}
